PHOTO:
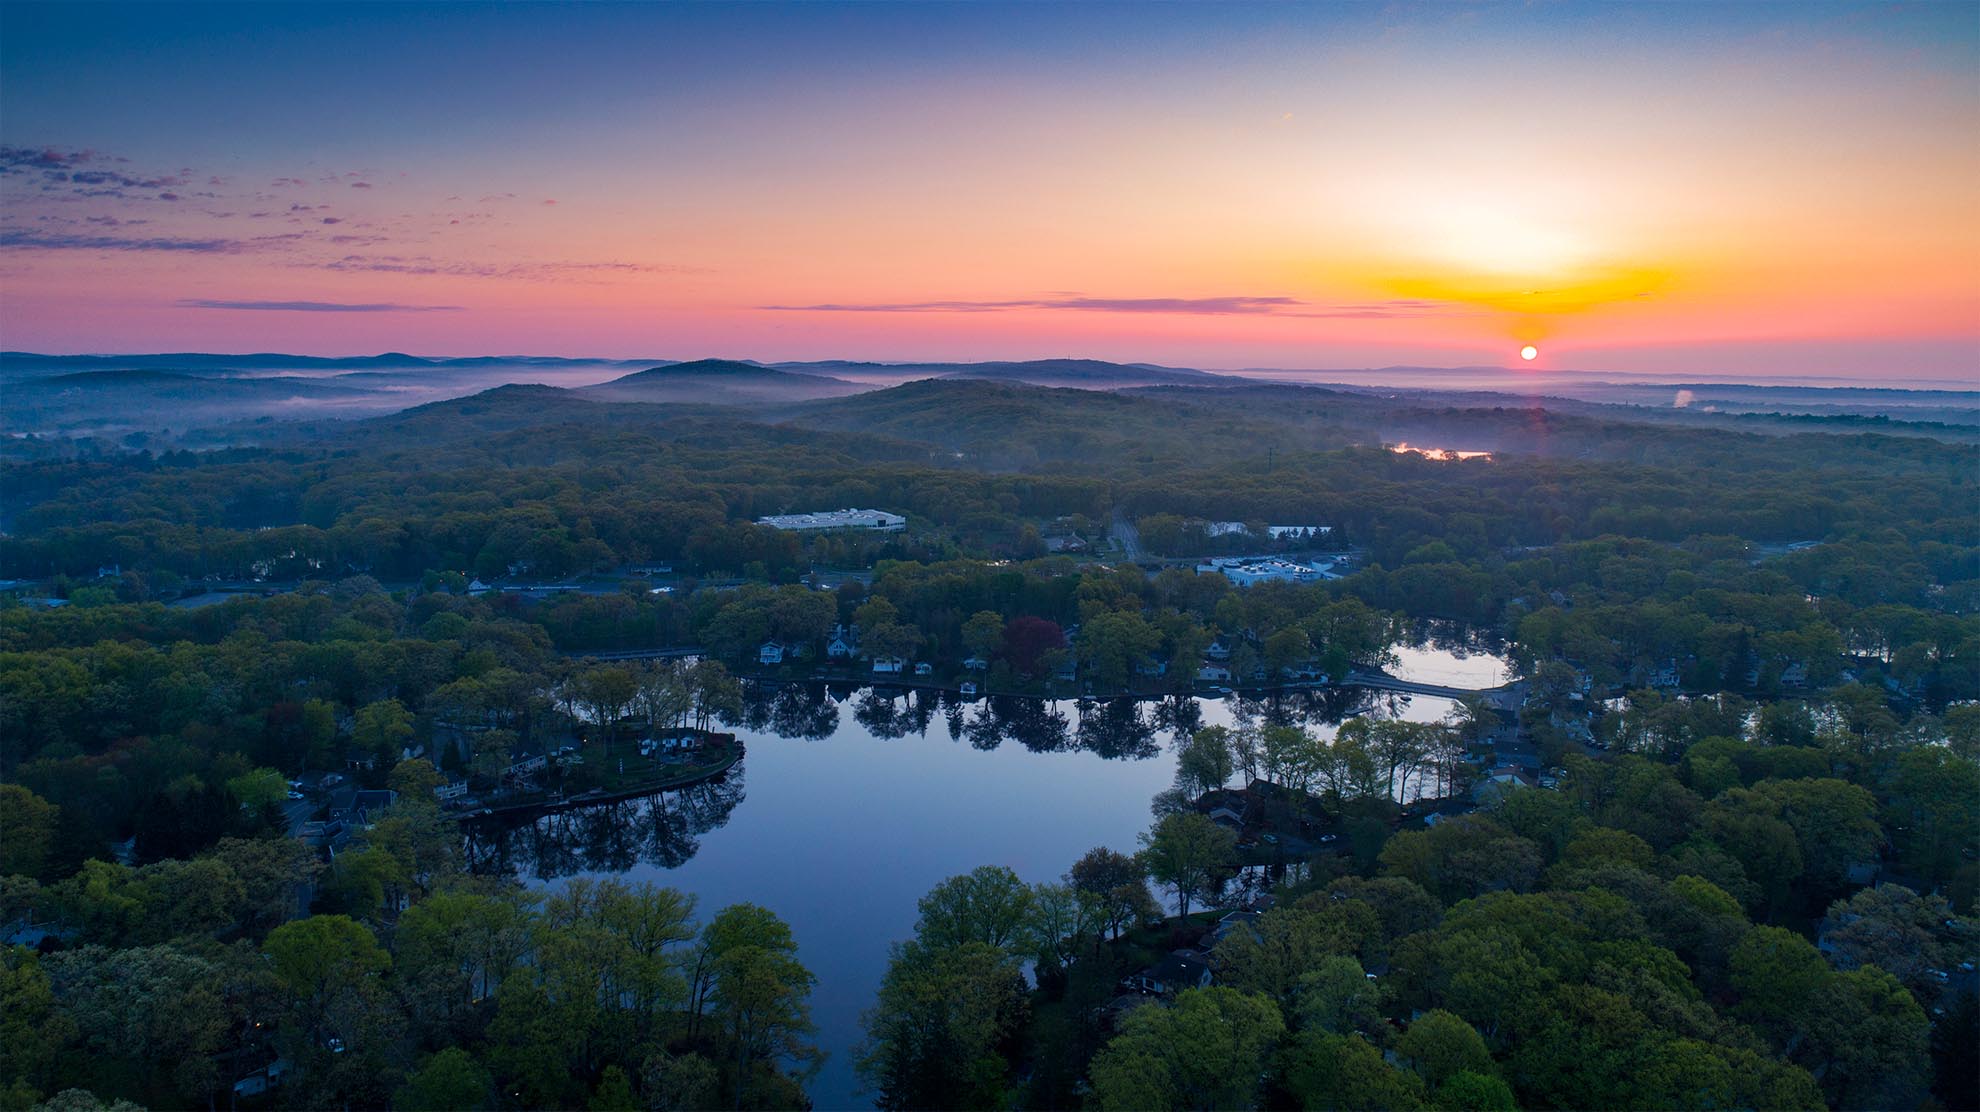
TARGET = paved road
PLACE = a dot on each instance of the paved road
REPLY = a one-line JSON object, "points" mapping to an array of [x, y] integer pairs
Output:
{"points": [[1128, 536]]}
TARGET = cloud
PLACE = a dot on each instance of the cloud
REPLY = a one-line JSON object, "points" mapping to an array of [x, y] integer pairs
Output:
{"points": [[37, 241], [360, 185], [315, 306], [541, 271], [1198, 306]]}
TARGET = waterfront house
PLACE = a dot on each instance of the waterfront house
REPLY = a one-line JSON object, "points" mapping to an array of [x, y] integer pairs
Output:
{"points": [[843, 645], [888, 665], [770, 652], [1236, 920], [1171, 975], [924, 669], [1213, 673]]}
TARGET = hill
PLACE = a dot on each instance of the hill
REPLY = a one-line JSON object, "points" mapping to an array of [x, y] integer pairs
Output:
{"points": [[722, 382], [1089, 374]]}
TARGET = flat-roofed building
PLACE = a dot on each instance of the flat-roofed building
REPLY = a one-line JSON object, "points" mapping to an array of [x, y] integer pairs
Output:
{"points": [[872, 521]]}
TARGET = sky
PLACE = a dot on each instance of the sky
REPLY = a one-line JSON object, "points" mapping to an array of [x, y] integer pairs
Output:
{"points": [[1721, 189]]}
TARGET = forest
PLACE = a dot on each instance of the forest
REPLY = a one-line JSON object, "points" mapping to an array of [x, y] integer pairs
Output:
{"points": [[1754, 651]]}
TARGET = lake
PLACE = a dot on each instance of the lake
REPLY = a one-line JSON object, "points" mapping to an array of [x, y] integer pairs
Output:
{"points": [[852, 803]]}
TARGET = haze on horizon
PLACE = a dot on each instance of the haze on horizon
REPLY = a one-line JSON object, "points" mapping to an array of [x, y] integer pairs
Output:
{"points": [[1724, 190]]}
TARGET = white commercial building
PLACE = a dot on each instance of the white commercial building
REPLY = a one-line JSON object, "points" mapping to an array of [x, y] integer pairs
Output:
{"points": [[873, 521]]}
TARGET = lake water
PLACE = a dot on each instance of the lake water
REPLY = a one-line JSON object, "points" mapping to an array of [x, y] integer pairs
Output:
{"points": [[852, 803]]}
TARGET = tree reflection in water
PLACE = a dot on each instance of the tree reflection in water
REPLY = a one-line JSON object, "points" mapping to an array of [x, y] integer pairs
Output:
{"points": [[664, 829], [661, 829]]}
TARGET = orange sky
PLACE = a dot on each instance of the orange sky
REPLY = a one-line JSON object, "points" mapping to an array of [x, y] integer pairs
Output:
{"points": [[1752, 190]]}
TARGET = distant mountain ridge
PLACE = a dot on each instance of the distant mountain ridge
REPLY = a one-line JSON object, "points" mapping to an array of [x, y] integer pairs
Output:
{"points": [[723, 382], [1089, 373]]}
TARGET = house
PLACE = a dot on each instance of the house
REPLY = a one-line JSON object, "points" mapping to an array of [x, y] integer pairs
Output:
{"points": [[843, 645], [1171, 975], [1500, 780], [1794, 675], [968, 689], [1227, 817], [326, 837], [770, 652], [1213, 673], [888, 665], [1235, 921], [1219, 650], [976, 664], [924, 669], [1151, 666], [455, 788], [359, 807], [1665, 678], [477, 587]]}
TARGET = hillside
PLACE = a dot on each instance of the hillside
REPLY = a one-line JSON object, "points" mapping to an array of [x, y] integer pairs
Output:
{"points": [[722, 382], [1092, 374]]}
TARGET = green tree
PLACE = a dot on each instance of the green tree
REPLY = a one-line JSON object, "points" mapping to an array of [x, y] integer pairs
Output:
{"points": [[27, 832], [382, 730], [988, 905], [1187, 853], [936, 1033], [449, 1081], [1206, 1050], [1439, 1045], [1119, 882], [1345, 1072]]}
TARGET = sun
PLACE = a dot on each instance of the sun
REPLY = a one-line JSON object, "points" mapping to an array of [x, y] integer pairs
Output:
{"points": [[1529, 353]]}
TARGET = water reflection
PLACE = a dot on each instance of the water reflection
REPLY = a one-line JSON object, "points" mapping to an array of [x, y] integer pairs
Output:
{"points": [[662, 829]]}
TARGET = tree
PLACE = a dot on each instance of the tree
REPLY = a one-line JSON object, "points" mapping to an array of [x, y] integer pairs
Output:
{"points": [[1472, 1092], [415, 780], [1346, 1072], [1187, 853], [761, 995], [1206, 1050], [449, 1081], [983, 633], [1111, 644], [26, 833], [940, 1022], [1873, 1039], [382, 730], [1776, 973], [1439, 1045], [1270, 955], [1031, 644], [988, 905], [262, 787], [1336, 996], [1119, 882], [1063, 919], [1204, 763], [1895, 929]]}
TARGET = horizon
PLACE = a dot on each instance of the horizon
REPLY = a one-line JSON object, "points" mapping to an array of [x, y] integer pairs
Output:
{"points": [[1432, 376], [1743, 191]]}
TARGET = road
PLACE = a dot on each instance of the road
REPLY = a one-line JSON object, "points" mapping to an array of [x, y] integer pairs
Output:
{"points": [[1127, 536]]}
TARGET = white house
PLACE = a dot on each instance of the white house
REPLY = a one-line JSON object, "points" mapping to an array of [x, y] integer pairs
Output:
{"points": [[888, 665]]}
